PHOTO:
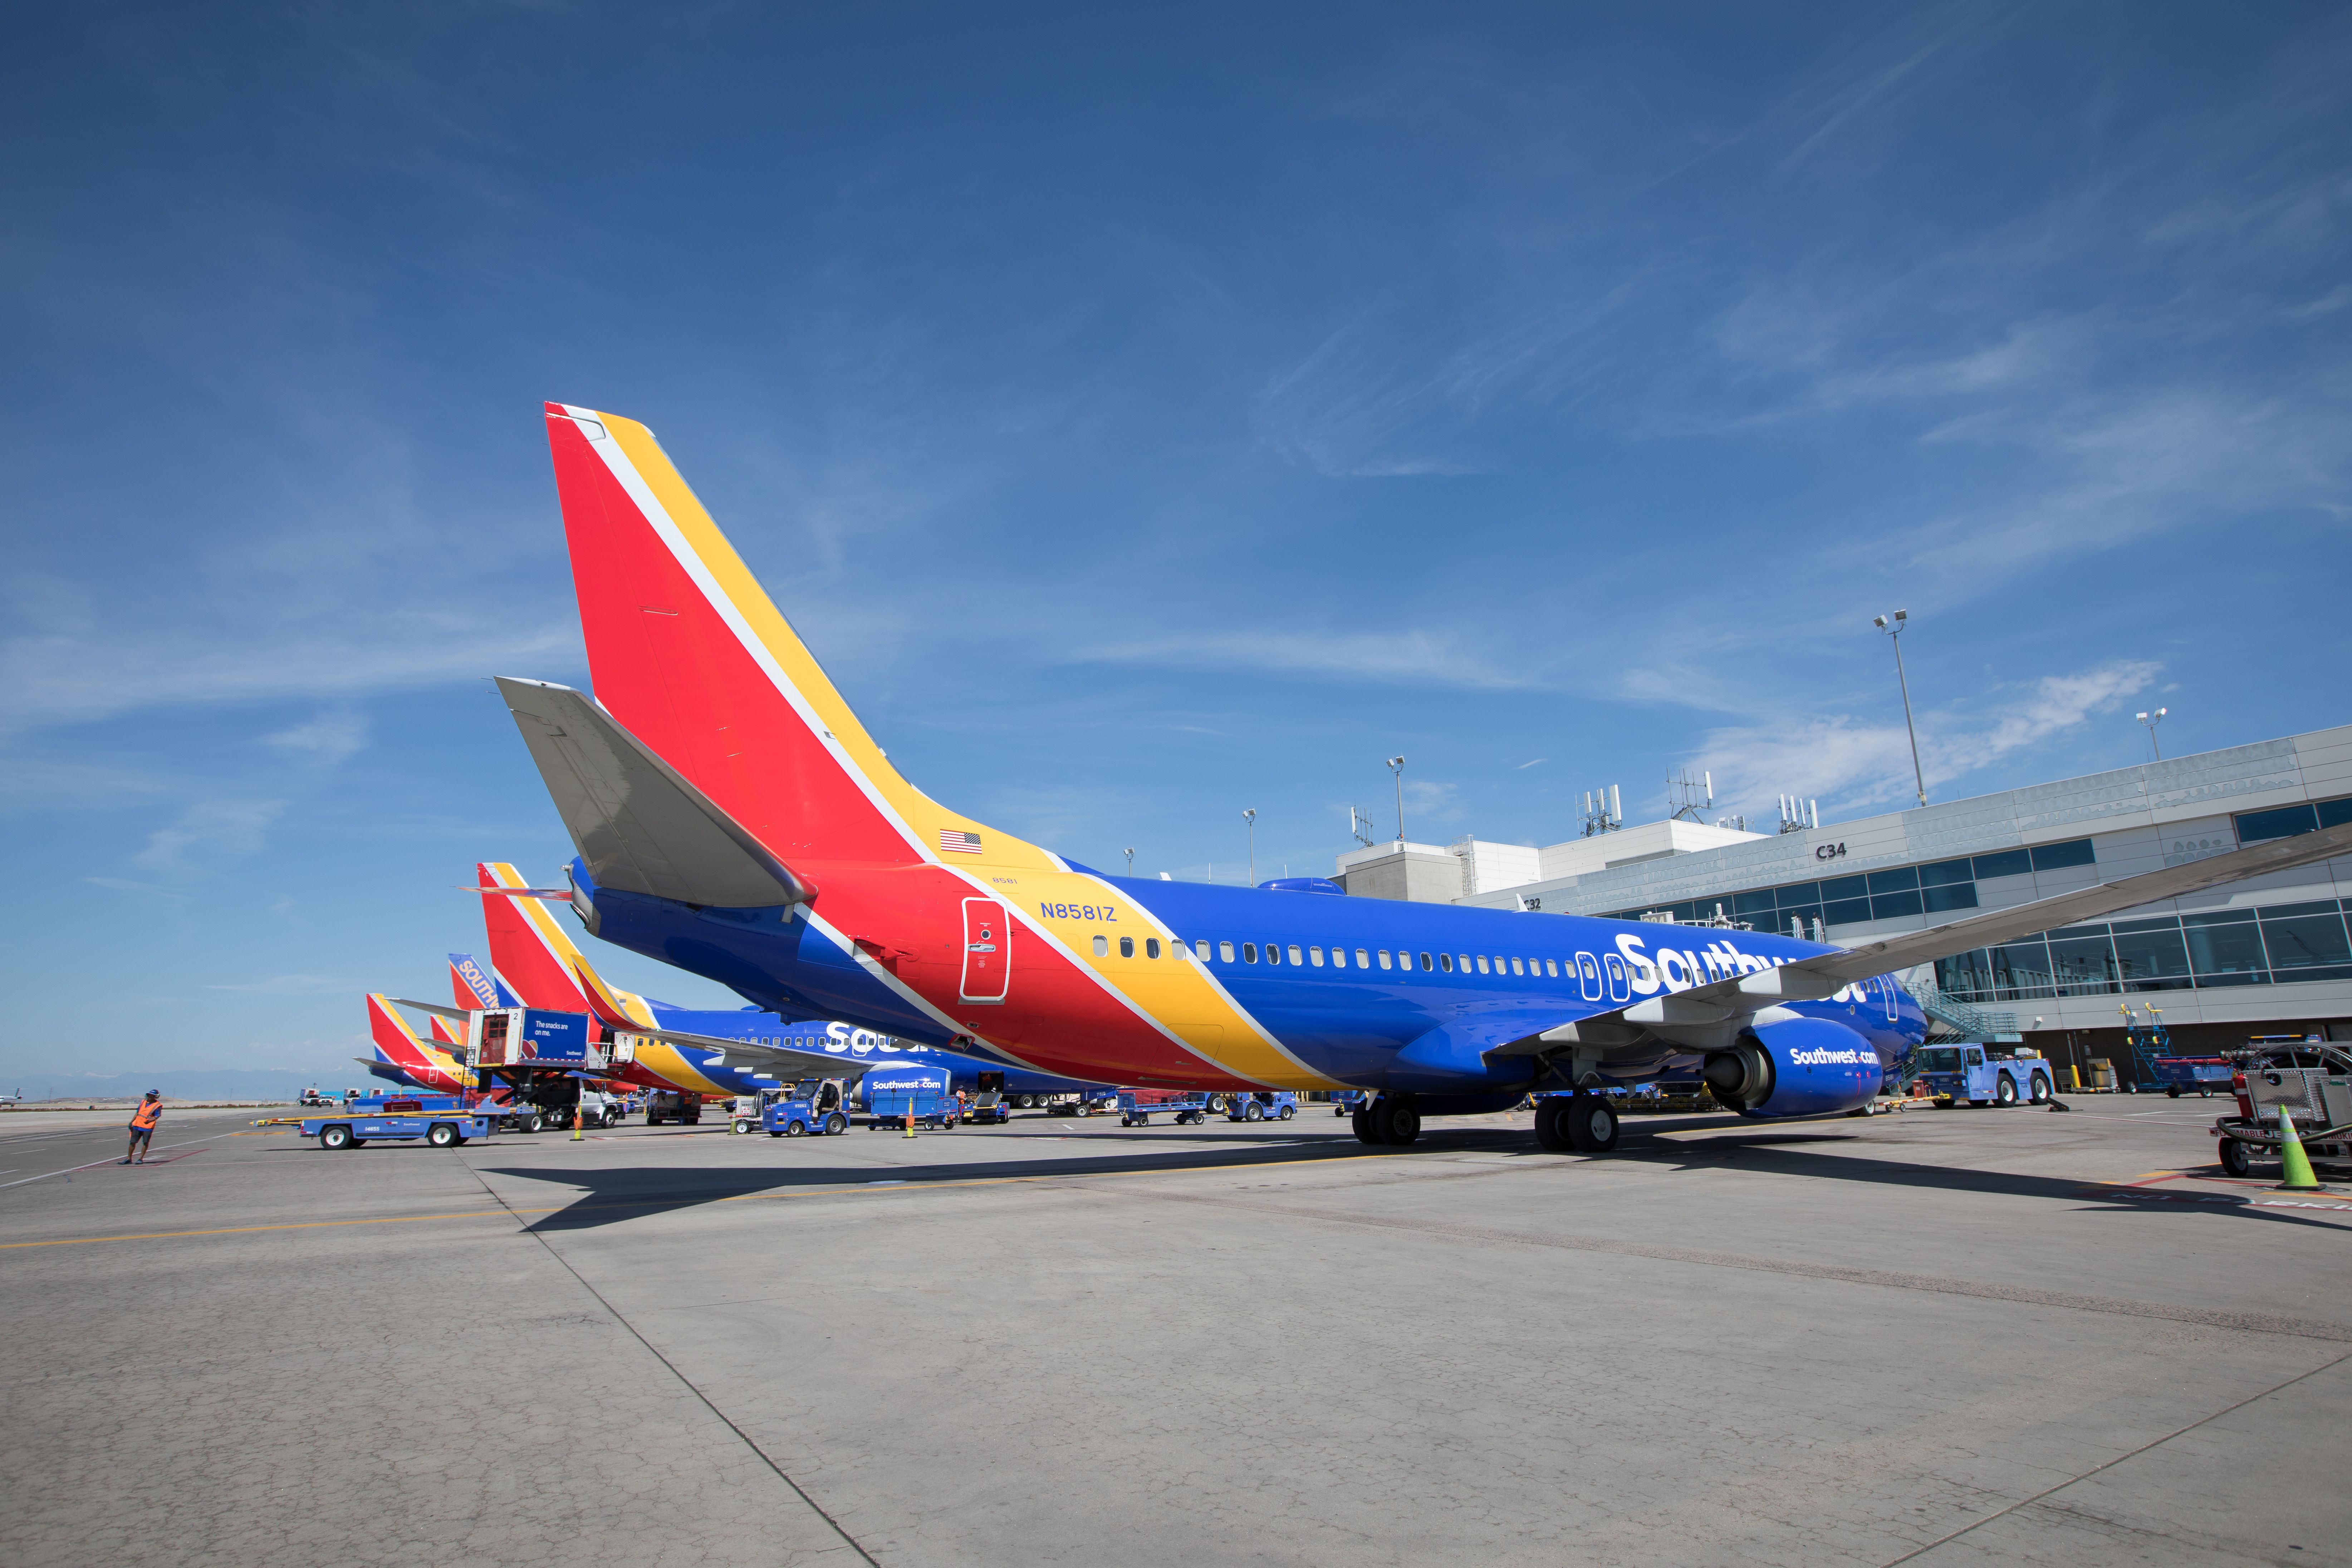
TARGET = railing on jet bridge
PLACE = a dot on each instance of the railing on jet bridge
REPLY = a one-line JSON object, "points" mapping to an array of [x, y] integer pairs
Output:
{"points": [[1974, 1023]]}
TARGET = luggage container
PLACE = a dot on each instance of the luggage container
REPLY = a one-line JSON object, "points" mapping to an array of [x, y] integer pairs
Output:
{"points": [[895, 1105], [2201, 1076]]}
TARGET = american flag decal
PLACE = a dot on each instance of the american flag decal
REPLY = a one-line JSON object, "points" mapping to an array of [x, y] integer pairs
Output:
{"points": [[956, 841]]}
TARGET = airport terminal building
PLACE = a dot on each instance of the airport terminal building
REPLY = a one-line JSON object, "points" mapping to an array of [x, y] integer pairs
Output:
{"points": [[2269, 956]]}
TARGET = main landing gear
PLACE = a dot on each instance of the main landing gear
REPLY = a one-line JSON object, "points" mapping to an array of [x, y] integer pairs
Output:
{"points": [[1576, 1124], [1389, 1119]]}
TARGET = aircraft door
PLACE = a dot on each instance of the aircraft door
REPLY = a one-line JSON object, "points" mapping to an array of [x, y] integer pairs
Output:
{"points": [[1588, 976], [1888, 994], [987, 950]]}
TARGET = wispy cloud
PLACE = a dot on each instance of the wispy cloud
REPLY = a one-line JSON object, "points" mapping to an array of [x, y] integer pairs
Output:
{"points": [[1855, 764], [1412, 658], [228, 827], [289, 986], [75, 678]]}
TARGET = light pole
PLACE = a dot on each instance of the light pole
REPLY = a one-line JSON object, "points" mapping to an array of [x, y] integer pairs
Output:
{"points": [[1396, 769], [1130, 860], [1895, 633], [2152, 721], [1250, 816]]}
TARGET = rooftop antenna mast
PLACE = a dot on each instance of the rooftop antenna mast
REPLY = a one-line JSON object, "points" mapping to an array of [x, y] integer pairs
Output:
{"points": [[1359, 827], [1602, 811], [1689, 799], [1798, 815]]}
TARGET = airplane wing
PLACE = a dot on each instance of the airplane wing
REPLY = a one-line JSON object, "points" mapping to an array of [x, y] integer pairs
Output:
{"points": [[636, 822], [1710, 1017], [429, 1008], [782, 1060]]}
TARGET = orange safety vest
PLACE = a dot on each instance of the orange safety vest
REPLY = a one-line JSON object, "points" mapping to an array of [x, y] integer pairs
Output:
{"points": [[150, 1113]]}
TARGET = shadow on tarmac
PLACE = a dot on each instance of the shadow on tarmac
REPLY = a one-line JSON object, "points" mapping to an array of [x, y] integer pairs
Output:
{"points": [[610, 1196]]}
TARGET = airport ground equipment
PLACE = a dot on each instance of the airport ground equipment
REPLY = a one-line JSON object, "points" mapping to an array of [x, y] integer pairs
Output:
{"points": [[443, 1121], [814, 1106], [673, 1105], [1137, 1107], [1349, 1101], [1264, 1105], [1972, 1074], [2312, 1081], [894, 1105], [2201, 1076], [987, 1108]]}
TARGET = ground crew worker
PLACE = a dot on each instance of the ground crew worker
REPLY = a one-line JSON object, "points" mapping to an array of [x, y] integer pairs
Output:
{"points": [[142, 1126]]}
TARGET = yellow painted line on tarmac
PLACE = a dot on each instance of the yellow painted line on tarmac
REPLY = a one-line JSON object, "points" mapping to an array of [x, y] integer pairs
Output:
{"points": [[878, 1184]]}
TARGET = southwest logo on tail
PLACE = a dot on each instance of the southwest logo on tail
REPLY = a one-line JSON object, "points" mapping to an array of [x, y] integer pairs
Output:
{"points": [[471, 987], [733, 817]]}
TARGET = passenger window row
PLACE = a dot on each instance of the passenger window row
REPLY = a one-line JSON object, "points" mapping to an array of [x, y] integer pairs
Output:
{"points": [[1312, 957]]}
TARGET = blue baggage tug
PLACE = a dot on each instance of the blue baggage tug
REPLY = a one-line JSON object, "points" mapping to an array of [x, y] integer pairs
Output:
{"points": [[1263, 1105], [1965, 1075], [443, 1121], [813, 1107]]}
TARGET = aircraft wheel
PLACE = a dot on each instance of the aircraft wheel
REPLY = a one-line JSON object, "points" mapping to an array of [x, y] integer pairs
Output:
{"points": [[2233, 1158], [1363, 1123], [1589, 1124], [2005, 1091], [1396, 1122], [441, 1136], [335, 1138], [836, 1122], [1547, 1130], [2040, 1089]]}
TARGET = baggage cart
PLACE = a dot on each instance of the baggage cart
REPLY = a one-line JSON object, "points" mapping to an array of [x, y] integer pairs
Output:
{"points": [[1137, 1107]]}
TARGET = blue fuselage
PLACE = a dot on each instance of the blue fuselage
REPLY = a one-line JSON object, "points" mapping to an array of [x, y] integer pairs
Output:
{"points": [[1376, 993]]}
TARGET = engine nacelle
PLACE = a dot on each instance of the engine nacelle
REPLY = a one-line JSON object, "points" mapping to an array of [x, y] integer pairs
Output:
{"points": [[1795, 1067]]}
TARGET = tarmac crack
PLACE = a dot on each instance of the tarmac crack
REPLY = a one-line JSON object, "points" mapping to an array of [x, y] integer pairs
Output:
{"points": [[685, 1382], [1918, 1552], [2205, 1317]]}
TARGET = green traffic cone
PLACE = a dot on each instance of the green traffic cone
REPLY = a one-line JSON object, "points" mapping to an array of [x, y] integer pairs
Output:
{"points": [[2294, 1165]]}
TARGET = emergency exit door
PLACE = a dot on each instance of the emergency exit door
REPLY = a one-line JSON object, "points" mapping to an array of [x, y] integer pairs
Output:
{"points": [[987, 950]]}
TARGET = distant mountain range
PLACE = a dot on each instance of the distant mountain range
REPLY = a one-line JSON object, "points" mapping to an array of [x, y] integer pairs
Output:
{"points": [[258, 1084]]}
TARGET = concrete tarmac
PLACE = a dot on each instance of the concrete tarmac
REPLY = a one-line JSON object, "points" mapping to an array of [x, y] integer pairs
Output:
{"points": [[1944, 1337]]}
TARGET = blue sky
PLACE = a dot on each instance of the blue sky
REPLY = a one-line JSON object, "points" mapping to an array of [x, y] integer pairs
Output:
{"points": [[1143, 422]]}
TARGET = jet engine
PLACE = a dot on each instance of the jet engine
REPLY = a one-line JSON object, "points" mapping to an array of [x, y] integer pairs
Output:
{"points": [[1795, 1067]]}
